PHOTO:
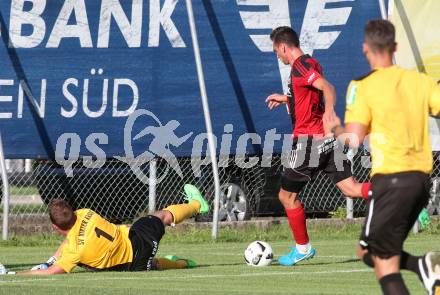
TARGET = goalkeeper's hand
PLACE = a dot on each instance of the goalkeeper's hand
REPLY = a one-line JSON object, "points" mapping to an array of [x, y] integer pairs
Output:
{"points": [[45, 265], [5, 271]]}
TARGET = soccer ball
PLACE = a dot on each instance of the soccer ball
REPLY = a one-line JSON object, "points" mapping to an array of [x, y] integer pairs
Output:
{"points": [[258, 253]]}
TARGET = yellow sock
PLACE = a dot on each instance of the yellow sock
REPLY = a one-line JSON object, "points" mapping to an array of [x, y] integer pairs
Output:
{"points": [[181, 212], [163, 263]]}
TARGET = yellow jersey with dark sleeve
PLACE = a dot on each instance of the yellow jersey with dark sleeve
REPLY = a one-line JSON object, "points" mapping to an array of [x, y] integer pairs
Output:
{"points": [[95, 243], [394, 104]]}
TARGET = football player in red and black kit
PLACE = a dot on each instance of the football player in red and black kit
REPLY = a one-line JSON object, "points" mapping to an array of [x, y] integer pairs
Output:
{"points": [[310, 99]]}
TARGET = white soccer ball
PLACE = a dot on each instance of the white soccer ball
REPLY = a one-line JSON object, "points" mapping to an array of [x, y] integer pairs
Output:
{"points": [[258, 253]]}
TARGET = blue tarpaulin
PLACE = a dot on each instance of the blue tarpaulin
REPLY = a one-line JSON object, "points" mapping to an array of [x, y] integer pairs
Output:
{"points": [[81, 68]]}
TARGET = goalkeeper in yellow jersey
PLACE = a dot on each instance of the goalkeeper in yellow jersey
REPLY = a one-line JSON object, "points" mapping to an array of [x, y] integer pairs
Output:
{"points": [[94, 243]]}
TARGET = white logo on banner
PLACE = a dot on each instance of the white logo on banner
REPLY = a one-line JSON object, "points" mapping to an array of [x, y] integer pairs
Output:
{"points": [[316, 16], [277, 15], [163, 138], [73, 22]]}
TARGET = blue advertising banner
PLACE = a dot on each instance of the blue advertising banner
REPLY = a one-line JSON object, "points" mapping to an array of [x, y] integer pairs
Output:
{"points": [[77, 72]]}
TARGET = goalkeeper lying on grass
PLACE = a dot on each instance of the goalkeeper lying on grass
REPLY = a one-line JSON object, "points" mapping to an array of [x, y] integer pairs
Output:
{"points": [[94, 243]]}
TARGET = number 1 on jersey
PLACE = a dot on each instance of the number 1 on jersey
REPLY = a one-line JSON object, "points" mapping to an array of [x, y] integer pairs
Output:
{"points": [[100, 233]]}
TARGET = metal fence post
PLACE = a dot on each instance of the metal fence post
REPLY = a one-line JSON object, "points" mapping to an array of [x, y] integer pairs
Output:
{"points": [[211, 143], [152, 186], [416, 227], [349, 201], [27, 165], [5, 185], [349, 208]]}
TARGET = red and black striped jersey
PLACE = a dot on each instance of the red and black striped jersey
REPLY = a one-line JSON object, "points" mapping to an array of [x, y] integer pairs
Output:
{"points": [[305, 102]]}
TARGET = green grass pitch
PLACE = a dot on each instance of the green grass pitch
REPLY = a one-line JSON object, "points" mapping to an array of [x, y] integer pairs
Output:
{"points": [[334, 270]]}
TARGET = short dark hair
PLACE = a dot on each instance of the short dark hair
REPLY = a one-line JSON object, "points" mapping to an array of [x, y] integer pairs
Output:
{"points": [[380, 35], [61, 214], [285, 35]]}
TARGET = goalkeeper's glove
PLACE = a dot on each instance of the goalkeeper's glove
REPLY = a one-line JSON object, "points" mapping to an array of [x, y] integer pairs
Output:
{"points": [[45, 265], [4, 271]]}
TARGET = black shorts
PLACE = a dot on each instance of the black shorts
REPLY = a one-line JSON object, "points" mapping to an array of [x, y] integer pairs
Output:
{"points": [[145, 235], [393, 208], [309, 156]]}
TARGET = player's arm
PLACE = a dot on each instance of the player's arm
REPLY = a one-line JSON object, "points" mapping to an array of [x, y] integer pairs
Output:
{"points": [[329, 93], [68, 258], [328, 90], [357, 118], [52, 270], [313, 78], [60, 248], [52, 259], [275, 100], [434, 98], [356, 132]]}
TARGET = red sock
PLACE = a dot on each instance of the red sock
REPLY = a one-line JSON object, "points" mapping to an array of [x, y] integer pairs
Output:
{"points": [[366, 186], [297, 222]]}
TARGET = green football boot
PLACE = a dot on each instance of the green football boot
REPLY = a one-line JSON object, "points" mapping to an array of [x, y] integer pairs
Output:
{"points": [[190, 263], [193, 194], [424, 219]]}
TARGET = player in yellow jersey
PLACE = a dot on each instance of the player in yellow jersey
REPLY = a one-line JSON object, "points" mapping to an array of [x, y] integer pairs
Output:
{"points": [[393, 105], [94, 243]]}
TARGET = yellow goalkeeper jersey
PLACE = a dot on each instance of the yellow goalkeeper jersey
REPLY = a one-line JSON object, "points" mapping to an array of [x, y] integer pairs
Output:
{"points": [[394, 104], [95, 243]]}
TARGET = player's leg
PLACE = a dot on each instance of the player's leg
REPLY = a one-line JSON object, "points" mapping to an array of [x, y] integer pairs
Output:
{"points": [[177, 213], [389, 277], [426, 267], [297, 221], [392, 210], [423, 266], [387, 271], [174, 214], [296, 217], [338, 168], [416, 264], [173, 262], [381, 243], [146, 232], [353, 189], [295, 176]]}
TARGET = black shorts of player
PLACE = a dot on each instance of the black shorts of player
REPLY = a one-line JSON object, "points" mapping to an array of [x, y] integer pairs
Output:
{"points": [[145, 235], [393, 207], [309, 156]]}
